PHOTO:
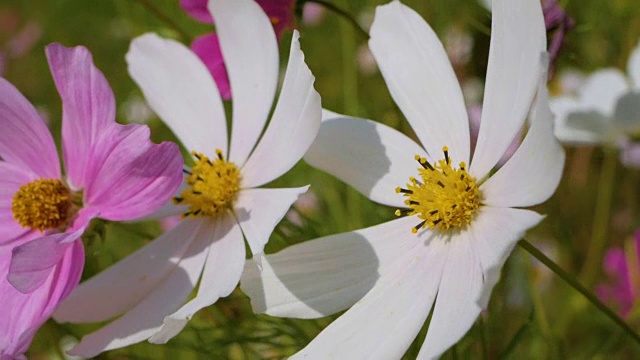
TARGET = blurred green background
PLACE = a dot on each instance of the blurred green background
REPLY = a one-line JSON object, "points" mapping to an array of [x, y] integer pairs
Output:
{"points": [[532, 314]]}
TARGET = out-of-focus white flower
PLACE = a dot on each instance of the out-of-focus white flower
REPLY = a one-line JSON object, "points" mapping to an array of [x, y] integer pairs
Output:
{"points": [[606, 108]]}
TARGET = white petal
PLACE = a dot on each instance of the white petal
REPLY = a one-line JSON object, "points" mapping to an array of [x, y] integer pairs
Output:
{"points": [[384, 323], [532, 174], [602, 90], [626, 119], [456, 308], [320, 277], [495, 231], [633, 67], [250, 52], [373, 158], [421, 80], [143, 320], [563, 107], [296, 119], [259, 211], [221, 274], [518, 38], [130, 280], [180, 89]]}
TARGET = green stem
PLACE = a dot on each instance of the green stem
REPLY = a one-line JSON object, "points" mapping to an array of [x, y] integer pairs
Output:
{"points": [[150, 6], [329, 6], [528, 247], [601, 218]]}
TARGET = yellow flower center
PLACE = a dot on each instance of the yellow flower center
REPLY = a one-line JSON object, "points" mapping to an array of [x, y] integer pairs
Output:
{"points": [[444, 198], [213, 186], [42, 204]]}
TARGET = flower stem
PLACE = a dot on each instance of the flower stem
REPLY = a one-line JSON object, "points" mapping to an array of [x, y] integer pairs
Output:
{"points": [[601, 218], [528, 247], [149, 5], [329, 6]]}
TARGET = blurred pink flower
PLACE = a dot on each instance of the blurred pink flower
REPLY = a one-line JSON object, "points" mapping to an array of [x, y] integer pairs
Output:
{"points": [[622, 267], [19, 40], [629, 153], [112, 171], [312, 14], [207, 47]]}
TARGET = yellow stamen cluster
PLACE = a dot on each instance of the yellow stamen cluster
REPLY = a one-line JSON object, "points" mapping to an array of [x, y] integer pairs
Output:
{"points": [[213, 186], [42, 204], [445, 197]]}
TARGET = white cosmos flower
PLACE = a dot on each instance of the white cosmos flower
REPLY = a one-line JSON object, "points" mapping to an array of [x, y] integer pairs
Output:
{"points": [[389, 277], [148, 289], [606, 108]]}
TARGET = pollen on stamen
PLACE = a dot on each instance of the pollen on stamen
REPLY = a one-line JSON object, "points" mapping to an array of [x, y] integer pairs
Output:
{"points": [[213, 186], [444, 197], [43, 204]]}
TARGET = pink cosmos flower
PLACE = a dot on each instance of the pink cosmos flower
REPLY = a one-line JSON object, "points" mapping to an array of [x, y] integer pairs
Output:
{"points": [[622, 267], [112, 171], [207, 47]]}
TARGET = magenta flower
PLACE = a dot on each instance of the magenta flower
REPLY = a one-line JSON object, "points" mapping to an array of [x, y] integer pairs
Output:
{"points": [[558, 22], [112, 171], [622, 267], [207, 47]]}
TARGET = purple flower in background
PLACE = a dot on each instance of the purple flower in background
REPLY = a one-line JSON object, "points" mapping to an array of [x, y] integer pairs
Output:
{"points": [[558, 22], [112, 171], [207, 47], [622, 267]]}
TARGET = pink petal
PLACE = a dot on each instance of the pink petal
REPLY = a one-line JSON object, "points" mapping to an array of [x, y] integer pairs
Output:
{"points": [[25, 139], [11, 178], [88, 107], [135, 177], [207, 47], [22, 314], [197, 9], [33, 262]]}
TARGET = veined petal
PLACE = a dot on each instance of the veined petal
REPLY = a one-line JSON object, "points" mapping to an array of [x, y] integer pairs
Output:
{"points": [[456, 308], [532, 174], [22, 314], [398, 304], [88, 108], [220, 276], [32, 263], [494, 233], [421, 80], [633, 67], [25, 139], [180, 90], [250, 51], [563, 107], [295, 118], [130, 280], [207, 47], [135, 176], [11, 178], [373, 158], [320, 277], [258, 211], [145, 318], [518, 38], [602, 90]]}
